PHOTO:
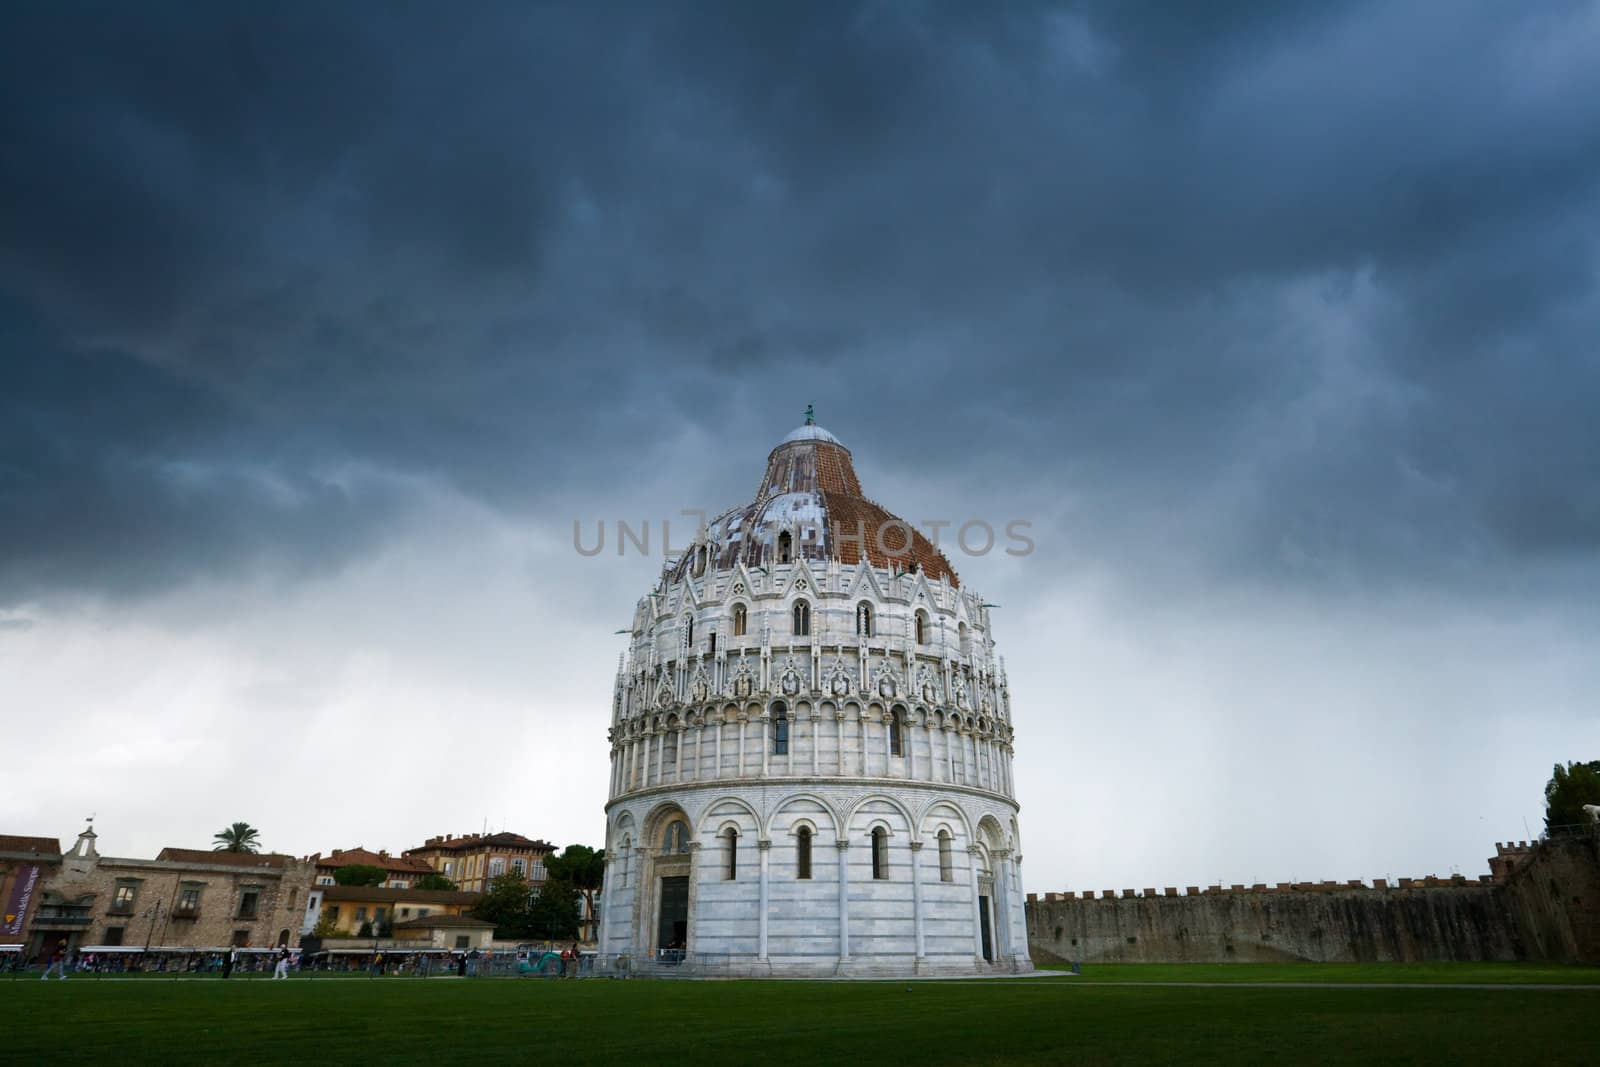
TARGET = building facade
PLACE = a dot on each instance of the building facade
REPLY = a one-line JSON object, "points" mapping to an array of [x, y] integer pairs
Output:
{"points": [[811, 747], [184, 899], [400, 872], [352, 909], [27, 866], [472, 861]]}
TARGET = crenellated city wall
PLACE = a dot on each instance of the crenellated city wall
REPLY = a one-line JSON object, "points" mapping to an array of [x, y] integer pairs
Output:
{"points": [[1542, 902]]}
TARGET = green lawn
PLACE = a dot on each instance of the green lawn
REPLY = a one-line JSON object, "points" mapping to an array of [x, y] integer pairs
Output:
{"points": [[602, 1021], [1451, 973]]}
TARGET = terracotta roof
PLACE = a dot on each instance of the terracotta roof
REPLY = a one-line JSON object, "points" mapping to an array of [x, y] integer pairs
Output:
{"points": [[442, 921], [810, 489], [472, 842], [407, 896], [367, 858], [42, 846], [210, 857]]}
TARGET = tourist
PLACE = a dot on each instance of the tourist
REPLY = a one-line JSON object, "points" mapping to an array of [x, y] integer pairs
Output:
{"points": [[281, 970], [58, 962], [230, 961]]}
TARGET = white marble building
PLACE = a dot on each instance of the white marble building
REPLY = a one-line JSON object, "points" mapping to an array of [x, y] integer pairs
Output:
{"points": [[811, 747]]}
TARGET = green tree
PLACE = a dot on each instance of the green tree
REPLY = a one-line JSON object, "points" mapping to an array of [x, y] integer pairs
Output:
{"points": [[433, 881], [553, 915], [360, 874], [584, 869], [505, 903], [326, 927], [240, 837], [1569, 789]]}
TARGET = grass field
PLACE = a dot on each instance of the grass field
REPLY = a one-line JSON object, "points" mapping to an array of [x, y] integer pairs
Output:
{"points": [[1041, 1020]]}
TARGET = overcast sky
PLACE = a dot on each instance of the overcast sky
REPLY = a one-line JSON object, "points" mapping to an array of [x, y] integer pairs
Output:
{"points": [[320, 325]]}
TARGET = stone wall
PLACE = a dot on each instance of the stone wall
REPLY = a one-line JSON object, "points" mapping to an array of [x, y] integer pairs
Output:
{"points": [[1554, 900], [1547, 908], [89, 882]]}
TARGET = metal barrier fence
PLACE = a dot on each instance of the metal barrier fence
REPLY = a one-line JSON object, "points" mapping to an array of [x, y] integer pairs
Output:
{"points": [[673, 963], [350, 961]]}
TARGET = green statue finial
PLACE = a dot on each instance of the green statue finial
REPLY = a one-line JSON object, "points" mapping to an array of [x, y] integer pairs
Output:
{"points": [[811, 416]]}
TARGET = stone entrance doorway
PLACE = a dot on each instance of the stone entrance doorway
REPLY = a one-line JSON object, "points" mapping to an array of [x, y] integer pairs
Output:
{"points": [[983, 926], [672, 932]]}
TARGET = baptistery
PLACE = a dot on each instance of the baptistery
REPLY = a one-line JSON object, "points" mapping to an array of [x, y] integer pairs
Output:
{"points": [[811, 746]]}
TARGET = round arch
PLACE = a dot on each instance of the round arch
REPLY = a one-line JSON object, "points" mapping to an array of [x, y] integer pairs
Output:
{"points": [[861, 802], [783, 805]]}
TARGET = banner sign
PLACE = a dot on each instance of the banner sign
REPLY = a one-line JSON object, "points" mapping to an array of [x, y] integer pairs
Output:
{"points": [[15, 916]]}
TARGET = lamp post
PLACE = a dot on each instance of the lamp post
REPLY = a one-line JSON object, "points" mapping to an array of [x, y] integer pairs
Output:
{"points": [[151, 914]]}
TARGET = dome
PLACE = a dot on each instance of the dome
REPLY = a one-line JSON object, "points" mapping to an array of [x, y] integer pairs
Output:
{"points": [[811, 432], [811, 750], [811, 493]]}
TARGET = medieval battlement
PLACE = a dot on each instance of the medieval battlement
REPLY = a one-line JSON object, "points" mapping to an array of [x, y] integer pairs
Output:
{"points": [[1354, 885]]}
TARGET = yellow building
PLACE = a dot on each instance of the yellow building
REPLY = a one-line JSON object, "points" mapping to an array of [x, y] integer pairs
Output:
{"points": [[472, 861], [352, 908]]}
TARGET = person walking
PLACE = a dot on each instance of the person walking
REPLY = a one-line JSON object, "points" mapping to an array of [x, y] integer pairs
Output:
{"points": [[281, 970], [58, 962]]}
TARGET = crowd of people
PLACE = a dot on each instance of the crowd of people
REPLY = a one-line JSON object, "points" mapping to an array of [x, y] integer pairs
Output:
{"points": [[61, 961]]}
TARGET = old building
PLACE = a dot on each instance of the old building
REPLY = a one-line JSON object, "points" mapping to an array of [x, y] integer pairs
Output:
{"points": [[811, 746], [401, 872], [27, 865], [351, 909], [471, 861], [183, 899]]}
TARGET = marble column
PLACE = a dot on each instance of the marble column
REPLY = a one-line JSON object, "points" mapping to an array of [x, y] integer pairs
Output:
{"points": [[916, 894], [844, 899], [1002, 905], [765, 847], [977, 920]]}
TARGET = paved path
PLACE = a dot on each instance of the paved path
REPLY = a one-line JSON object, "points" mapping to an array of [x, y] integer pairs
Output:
{"points": [[1077, 981]]}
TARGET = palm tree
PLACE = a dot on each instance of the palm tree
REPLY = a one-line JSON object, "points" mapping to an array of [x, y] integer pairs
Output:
{"points": [[240, 837]]}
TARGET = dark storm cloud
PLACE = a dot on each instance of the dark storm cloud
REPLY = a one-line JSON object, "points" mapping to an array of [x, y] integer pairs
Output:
{"points": [[1339, 259]]}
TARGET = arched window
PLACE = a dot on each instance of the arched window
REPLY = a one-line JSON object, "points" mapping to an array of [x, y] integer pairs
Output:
{"points": [[711, 642], [946, 868], [785, 547], [802, 853], [897, 732], [731, 870], [780, 729], [688, 631], [864, 619], [802, 619], [740, 618], [669, 743], [922, 627], [676, 842], [880, 853], [966, 641], [700, 561]]}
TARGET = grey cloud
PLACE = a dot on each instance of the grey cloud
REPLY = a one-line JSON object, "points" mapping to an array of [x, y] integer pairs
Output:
{"points": [[503, 250]]}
